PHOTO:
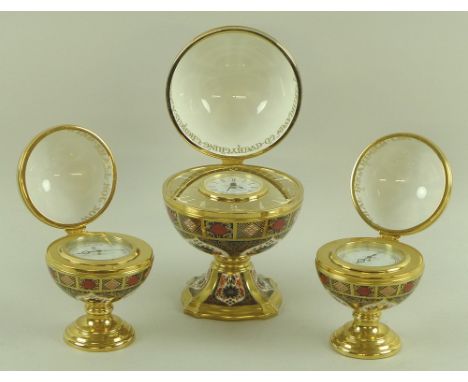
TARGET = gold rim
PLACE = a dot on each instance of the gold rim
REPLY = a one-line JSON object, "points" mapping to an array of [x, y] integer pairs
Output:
{"points": [[412, 269], [294, 204], [140, 259], [371, 269], [22, 176], [440, 208], [231, 29], [107, 237]]}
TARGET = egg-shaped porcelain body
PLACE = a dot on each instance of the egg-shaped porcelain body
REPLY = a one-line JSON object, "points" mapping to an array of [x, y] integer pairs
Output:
{"points": [[99, 268], [368, 275], [103, 280], [232, 230]]}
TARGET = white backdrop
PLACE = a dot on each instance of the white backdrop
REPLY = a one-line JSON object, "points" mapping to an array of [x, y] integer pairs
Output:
{"points": [[364, 75]]}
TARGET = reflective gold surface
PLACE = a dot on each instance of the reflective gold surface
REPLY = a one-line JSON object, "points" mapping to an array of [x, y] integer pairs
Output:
{"points": [[97, 268], [233, 93], [99, 330], [265, 301], [99, 283], [365, 337], [232, 231], [363, 281], [368, 290]]}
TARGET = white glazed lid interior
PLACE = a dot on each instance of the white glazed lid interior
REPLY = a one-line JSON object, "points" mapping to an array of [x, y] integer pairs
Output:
{"points": [[233, 93], [69, 176], [400, 183]]}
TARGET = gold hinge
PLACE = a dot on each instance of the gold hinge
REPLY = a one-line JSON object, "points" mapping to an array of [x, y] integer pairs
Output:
{"points": [[73, 230], [232, 161], [386, 235]]}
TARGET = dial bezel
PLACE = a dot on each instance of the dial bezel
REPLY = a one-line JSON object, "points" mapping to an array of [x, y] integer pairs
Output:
{"points": [[334, 256], [225, 197], [294, 195], [104, 237], [140, 258], [22, 166], [411, 267], [437, 212]]}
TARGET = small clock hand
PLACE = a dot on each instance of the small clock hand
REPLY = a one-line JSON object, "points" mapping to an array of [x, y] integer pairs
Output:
{"points": [[86, 252], [366, 259]]}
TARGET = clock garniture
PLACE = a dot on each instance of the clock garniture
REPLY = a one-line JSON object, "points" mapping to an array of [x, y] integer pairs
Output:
{"points": [[67, 178], [233, 93], [400, 185]]}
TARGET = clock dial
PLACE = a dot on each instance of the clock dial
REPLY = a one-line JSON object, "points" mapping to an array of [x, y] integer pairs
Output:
{"points": [[233, 185], [98, 248], [370, 255], [239, 190]]}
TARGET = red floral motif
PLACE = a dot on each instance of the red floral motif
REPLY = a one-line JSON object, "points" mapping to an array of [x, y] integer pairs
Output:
{"points": [[132, 280], [278, 225], [324, 279], [408, 287], [89, 284], [218, 229], [364, 291]]}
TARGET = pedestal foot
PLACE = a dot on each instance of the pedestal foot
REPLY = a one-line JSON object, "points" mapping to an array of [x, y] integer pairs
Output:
{"points": [[365, 337], [231, 290], [99, 330]]}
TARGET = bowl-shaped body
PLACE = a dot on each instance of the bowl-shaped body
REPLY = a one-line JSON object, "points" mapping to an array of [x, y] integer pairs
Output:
{"points": [[366, 296], [99, 280], [369, 289], [232, 228]]}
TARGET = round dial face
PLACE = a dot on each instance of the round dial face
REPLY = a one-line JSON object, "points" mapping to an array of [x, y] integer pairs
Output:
{"points": [[370, 255], [233, 185], [98, 248]]}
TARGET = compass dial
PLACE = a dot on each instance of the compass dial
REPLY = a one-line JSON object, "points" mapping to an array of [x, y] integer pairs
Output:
{"points": [[98, 248], [370, 255], [233, 185]]}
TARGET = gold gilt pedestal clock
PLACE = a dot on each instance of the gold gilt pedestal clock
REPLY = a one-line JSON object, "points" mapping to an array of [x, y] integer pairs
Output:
{"points": [[400, 185], [67, 177], [233, 93]]}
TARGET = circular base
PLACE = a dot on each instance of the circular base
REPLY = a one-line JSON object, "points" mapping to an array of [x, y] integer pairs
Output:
{"points": [[99, 335], [231, 291], [365, 342]]}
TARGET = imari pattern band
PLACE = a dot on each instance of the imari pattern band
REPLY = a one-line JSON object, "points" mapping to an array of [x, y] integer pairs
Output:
{"points": [[232, 238], [87, 286], [232, 230], [361, 296]]}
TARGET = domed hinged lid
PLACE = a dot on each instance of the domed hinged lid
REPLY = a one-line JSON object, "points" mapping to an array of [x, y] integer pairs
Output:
{"points": [[233, 92], [401, 184], [67, 176]]}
